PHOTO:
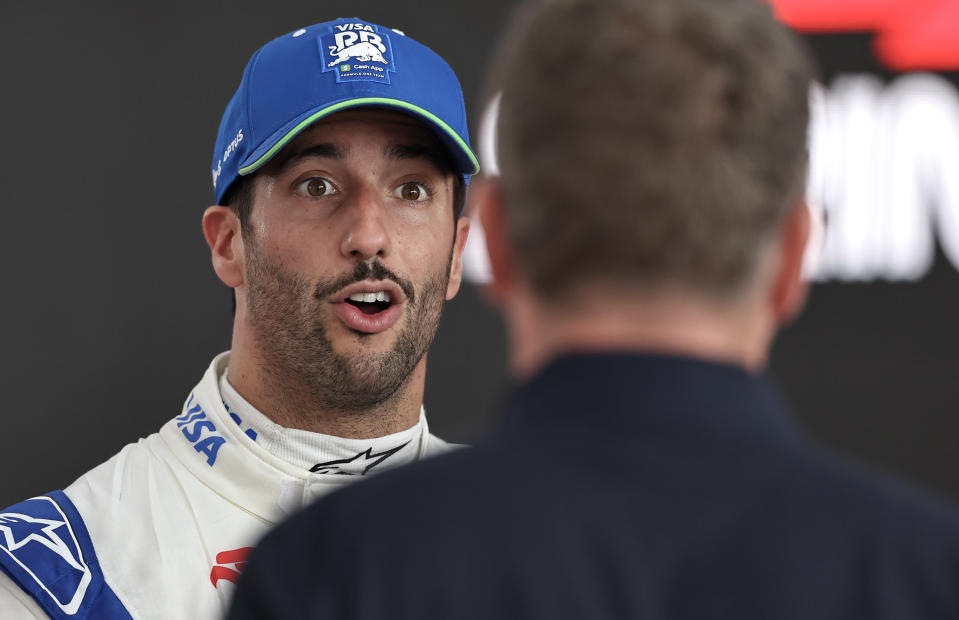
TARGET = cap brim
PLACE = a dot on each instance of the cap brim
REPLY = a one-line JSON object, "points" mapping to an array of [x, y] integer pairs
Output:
{"points": [[464, 159]]}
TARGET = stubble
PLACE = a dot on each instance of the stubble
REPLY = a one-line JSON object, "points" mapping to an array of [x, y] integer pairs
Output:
{"points": [[302, 369]]}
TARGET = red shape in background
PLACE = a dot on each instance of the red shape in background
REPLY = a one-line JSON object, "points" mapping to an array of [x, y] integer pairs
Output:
{"points": [[236, 557], [910, 34]]}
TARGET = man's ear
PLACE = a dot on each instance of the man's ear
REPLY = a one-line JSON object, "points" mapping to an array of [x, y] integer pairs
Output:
{"points": [[456, 265], [488, 201], [790, 290], [221, 228]]}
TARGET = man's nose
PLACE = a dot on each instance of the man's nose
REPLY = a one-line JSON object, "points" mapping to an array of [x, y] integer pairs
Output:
{"points": [[366, 235]]}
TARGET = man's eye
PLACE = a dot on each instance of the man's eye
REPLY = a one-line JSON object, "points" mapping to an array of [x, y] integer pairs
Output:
{"points": [[318, 186], [413, 192]]}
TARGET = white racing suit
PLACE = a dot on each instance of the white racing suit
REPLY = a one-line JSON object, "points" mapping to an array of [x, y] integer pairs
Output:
{"points": [[163, 528]]}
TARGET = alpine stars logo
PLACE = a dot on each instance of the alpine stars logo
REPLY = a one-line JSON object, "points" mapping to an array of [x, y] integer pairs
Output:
{"points": [[20, 530], [44, 546], [229, 565], [357, 52], [360, 464]]}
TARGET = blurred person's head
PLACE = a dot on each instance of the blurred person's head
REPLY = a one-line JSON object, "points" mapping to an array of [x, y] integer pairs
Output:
{"points": [[653, 163]]}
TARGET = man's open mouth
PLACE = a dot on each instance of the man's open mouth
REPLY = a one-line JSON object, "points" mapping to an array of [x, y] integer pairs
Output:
{"points": [[369, 307], [370, 303]]}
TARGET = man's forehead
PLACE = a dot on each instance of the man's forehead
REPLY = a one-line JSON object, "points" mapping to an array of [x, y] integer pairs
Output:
{"points": [[399, 128], [400, 136]]}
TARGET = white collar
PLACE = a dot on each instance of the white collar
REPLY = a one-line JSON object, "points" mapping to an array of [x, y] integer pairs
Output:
{"points": [[318, 452], [216, 450]]}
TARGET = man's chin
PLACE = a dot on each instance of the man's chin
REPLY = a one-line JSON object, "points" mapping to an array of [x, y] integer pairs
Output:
{"points": [[366, 363], [366, 379], [359, 346]]}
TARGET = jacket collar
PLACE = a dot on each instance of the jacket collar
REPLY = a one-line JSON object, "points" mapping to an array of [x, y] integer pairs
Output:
{"points": [[623, 393], [212, 446]]}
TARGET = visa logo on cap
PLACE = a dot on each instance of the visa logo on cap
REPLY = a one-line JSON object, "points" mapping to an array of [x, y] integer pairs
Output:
{"points": [[357, 52]]}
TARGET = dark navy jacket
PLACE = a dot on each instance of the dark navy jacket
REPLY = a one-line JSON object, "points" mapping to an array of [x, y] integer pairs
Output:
{"points": [[619, 487]]}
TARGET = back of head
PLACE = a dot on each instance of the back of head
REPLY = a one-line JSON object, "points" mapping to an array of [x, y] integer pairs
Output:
{"points": [[648, 144]]}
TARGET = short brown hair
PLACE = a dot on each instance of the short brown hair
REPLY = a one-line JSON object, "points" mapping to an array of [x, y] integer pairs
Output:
{"points": [[648, 143]]}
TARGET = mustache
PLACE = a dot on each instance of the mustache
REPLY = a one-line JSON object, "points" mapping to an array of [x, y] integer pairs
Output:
{"points": [[364, 271]]}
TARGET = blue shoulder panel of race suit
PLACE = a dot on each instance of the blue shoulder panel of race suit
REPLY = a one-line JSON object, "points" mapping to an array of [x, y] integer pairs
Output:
{"points": [[46, 550]]}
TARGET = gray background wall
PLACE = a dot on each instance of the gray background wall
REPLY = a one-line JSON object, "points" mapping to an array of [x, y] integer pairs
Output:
{"points": [[111, 311]]}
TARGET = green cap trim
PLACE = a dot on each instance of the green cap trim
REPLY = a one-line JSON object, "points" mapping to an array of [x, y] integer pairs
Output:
{"points": [[362, 101]]}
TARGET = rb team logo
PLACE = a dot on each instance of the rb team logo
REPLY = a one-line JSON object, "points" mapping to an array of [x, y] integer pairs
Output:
{"points": [[357, 52]]}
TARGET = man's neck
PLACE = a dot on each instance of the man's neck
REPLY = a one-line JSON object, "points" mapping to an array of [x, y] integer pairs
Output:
{"points": [[676, 324], [289, 402]]}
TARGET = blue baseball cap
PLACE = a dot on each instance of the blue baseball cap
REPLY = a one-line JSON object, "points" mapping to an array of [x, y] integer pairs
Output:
{"points": [[313, 72]]}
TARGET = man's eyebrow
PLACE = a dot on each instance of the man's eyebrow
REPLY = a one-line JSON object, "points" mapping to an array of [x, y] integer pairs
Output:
{"points": [[417, 151], [323, 149]]}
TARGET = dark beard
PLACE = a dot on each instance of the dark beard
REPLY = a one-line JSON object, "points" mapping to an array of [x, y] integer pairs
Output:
{"points": [[299, 360]]}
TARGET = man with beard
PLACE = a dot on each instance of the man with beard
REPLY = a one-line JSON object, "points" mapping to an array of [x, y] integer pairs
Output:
{"points": [[339, 174]]}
